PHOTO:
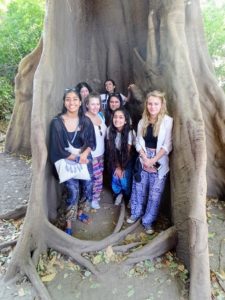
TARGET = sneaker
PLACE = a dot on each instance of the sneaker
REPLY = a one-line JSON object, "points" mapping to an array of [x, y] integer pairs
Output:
{"points": [[118, 199], [95, 205], [150, 230], [131, 220]]}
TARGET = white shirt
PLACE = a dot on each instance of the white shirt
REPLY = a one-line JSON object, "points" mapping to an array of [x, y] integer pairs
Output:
{"points": [[131, 138], [100, 133]]}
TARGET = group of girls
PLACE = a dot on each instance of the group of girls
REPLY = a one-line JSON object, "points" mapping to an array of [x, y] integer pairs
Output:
{"points": [[83, 125]]}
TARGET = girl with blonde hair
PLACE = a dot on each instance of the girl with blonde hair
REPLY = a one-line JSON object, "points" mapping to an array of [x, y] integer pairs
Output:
{"points": [[154, 143]]}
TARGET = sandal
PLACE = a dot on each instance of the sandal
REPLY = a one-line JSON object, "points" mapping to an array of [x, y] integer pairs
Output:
{"points": [[68, 231], [83, 218]]}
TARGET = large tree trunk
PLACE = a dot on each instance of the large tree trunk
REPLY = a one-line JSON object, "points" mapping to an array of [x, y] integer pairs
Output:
{"points": [[156, 44]]}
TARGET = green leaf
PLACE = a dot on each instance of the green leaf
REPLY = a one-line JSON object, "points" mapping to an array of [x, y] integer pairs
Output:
{"points": [[211, 235]]}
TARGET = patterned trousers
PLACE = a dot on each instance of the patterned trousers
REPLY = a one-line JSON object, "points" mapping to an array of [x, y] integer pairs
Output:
{"points": [[73, 191], [146, 196], [98, 167]]}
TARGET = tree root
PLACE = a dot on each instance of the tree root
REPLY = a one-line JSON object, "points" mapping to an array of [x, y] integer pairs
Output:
{"points": [[165, 241], [125, 248], [111, 239], [8, 244], [31, 272], [17, 213], [121, 218]]}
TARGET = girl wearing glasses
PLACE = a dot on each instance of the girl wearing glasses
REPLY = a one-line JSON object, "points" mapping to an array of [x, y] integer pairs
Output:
{"points": [[93, 105], [71, 127], [120, 139], [154, 143]]}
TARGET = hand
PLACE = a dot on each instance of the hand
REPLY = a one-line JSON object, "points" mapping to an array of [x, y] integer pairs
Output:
{"points": [[83, 158], [143, 156], [150, 169], [130, 86], [149, 162], [119, 172]]}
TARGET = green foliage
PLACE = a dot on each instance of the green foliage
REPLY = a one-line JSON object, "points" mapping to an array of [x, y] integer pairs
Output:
{"points": [[20, 30], [214, 25], [21, 24], [6, 98]]}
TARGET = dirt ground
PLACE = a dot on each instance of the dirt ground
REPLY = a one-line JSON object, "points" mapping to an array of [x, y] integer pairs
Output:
{"points": [[163, 278]]}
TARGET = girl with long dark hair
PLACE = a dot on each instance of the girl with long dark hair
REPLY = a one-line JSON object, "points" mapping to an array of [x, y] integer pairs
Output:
{"points": [[114, 101], [120, 138], [72, 137]]}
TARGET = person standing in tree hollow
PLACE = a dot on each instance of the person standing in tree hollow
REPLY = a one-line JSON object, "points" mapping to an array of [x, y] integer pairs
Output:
{"points": [[154, 143]]}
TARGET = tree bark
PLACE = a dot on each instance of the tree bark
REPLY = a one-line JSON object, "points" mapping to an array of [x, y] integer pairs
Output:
{"points": [[19, 129], [157, 45]]}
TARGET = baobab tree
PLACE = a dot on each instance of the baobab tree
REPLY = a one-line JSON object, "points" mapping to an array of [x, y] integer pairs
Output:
{"points": [[156, 44]]}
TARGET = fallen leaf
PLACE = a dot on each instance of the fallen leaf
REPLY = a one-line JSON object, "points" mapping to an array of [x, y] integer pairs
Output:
{"points": [[130, 292], [181, 268], [109, 254], [48, 277], [97, 259], [130, 238], [21, 292], [221, 274]]}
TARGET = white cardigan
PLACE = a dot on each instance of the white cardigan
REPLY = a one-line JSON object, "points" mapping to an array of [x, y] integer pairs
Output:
{"points": [[164, 141]]}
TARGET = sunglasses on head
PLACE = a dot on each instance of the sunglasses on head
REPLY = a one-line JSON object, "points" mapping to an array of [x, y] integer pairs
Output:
{"points": [[70, 89]]}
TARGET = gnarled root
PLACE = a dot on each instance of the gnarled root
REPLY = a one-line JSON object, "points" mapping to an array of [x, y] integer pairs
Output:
{"points": [[165, 241], [8, 244], [14, 214], [30, 271], [125, 248], [121, 218]]}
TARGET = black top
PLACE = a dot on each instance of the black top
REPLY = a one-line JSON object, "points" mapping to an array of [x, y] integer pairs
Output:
{"points": [[150, 140], [59, 138]]}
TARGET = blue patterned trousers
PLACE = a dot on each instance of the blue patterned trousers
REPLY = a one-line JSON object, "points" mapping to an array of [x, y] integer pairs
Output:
{"points": [[73, 191]]}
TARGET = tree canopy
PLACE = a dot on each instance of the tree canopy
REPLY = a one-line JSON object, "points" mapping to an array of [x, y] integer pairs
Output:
{"points": [[214, 25], [21, 25]]}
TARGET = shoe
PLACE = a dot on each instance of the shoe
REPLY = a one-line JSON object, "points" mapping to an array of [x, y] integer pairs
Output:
{"points": [[150, 231], [131, 220], [83, 218], [118, 199], [68, 231], [95, 205]]}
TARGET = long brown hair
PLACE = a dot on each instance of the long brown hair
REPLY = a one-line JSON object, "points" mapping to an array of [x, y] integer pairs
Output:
{"points": [[146, 115]]}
